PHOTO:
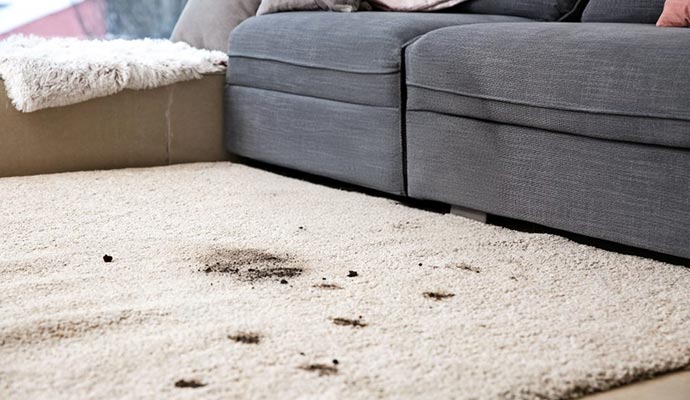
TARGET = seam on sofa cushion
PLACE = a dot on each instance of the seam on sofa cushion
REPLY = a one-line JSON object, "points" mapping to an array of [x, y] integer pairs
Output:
{"points": [[310, 97], [561, 108], [603, 139], [386, 71]]}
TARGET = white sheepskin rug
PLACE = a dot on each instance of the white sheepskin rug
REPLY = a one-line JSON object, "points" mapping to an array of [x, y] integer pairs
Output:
{"points": [[228, 282], [42, 73]]}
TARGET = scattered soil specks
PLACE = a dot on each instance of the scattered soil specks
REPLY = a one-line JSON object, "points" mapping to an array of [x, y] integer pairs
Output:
{"points": [[321, 369], [246, 337], [252, 265], [328, 286], [467, 267], [438, 296], [406, 225], [355, 323], [189, 383]]}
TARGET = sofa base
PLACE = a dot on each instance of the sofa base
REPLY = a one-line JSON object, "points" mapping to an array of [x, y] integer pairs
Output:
{"points": [[633, 194], [353, 143]]}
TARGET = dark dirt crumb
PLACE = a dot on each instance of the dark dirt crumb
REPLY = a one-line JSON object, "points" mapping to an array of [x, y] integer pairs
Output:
{"points": [[283, 282], [189, 383], [335, 361], [301, 228], [328, 286], [107, 258], [352, 274], [513, 278], [468, 267], [323, 279], [252, 265], [438, 296], [301, 353], [321, 369], [246, 337], [355, 323], [420, 264]]}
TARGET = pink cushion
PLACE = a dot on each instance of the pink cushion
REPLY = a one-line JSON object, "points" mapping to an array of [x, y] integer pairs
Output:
{"points": [[415, 5], [676, 13]]}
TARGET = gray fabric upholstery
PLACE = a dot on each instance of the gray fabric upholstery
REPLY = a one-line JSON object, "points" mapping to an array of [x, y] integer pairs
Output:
{"points": [[624, 82], [636, 11], [546, 10], [629, 193], [351, 57], [362, 42], [381, 90], [348, 142], [321, 92]]}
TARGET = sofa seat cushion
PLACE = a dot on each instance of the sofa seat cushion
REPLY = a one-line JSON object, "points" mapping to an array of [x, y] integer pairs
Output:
{"points": [[350, 57], [625, 82]]}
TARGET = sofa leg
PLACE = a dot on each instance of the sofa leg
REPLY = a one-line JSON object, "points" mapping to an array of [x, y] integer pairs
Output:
{"points": [[468, 213]]}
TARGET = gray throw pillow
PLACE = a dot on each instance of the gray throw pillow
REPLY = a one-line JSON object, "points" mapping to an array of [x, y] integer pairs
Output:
{"points": [[272, 6], [545, 10], [633, 11], [207, 24]]}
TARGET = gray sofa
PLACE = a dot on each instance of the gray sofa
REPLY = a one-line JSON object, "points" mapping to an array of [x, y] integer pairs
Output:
{"points": [[578, 126]]}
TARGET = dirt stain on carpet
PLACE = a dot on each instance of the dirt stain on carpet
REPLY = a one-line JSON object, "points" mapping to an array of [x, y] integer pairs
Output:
{"points": [[321, 369], [34, 332], [246, 337], [189, 383], [355, 323], [328, 286], [251, 265], [438, 296], [467, 267]]}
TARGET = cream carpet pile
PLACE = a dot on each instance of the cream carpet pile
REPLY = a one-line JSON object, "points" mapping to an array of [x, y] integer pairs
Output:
{"points": [[231, 282], [41, 73]]}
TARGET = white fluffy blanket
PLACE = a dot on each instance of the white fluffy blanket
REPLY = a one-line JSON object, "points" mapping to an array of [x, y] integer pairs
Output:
{"points": [[41, 73]]}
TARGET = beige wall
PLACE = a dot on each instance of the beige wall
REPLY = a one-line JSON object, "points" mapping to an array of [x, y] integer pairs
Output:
{"points": [[168, 125]]}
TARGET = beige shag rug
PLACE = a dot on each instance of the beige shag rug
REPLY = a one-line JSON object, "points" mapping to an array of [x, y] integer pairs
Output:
{"points": [[231, 282], [42, 73]]}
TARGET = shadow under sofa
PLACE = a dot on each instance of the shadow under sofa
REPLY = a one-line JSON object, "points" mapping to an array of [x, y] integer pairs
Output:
{"points": [[582, 127]]}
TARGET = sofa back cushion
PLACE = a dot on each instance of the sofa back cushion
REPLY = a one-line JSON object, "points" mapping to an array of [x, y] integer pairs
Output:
{"points": [[207, 24], [545, 10], [633, 11]]}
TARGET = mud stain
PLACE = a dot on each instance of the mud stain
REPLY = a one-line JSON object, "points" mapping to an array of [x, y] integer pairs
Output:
{"points": [[355, 323], [252, 265], [246, 337], [189, 383], [321, 369], [69, 328], [467, 267], [328, 286], [438, 296]]}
